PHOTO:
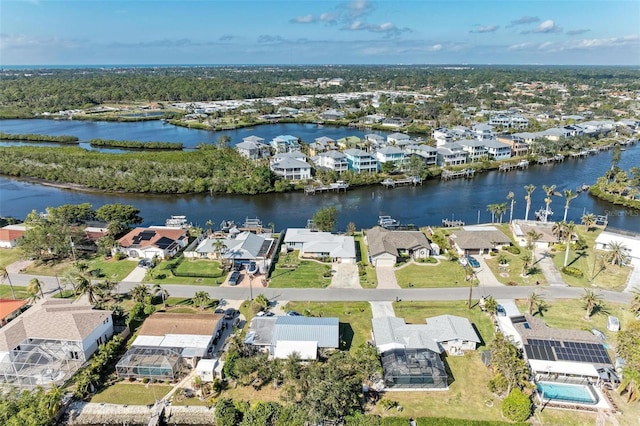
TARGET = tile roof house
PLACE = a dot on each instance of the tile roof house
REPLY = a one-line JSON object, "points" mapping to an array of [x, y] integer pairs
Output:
{"points": [[281, 336], [385, 246], [48, 342], [158, 241], [10, 234], [314, 244], [9, 308], [478, 239]]}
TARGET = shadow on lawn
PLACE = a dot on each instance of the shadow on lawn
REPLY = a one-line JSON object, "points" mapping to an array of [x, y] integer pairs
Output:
{"points": [[346, 336]]}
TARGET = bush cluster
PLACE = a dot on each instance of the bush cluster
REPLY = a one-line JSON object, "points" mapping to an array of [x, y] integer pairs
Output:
{"points": [[572, 271]]}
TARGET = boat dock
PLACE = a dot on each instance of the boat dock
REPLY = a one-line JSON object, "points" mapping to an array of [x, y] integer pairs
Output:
{"points": [[449, 174], [581, 154], [452, 223], [335, 187], [392, 183], [506, 167]]}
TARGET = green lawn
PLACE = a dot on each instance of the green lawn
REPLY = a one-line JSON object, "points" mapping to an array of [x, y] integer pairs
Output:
{"points": [[162, 274], [369, 279], [511, 273], [131, 394], [308, 274], [112, 268], [354, 317], [5, 292], [417, 312], [613, 277], [8, 256], [444, 274]]}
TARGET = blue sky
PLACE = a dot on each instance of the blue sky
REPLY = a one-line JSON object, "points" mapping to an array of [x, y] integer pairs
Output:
{"points": [[552, 32]]}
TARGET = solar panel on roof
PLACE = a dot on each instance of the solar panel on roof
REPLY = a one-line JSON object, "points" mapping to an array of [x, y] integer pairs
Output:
{"points": [[164, 242], [147, 235]]}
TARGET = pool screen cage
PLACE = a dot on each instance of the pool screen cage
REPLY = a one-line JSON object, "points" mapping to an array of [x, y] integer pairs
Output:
{"points": [[41, 362], [413, 369], [150, 362]]}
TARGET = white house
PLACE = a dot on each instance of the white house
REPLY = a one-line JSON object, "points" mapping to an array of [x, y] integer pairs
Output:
{"points": [[253, 150], [47, 343], [483, 131], [396, 138], [314, 244], [442, 136], [630, 242], [333, 160], [160, 241], [475, 149], [292, 169], [451, 154], [497, 150], [390, 154], [426, 153]]}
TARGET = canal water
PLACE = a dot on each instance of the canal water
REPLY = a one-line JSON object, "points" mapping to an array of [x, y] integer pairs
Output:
{"points": [[428, 204]]}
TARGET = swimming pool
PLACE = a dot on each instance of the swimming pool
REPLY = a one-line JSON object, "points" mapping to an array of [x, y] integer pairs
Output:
{"points": [[567, 393]]}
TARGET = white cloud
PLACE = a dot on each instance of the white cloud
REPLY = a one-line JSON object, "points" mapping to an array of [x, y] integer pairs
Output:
{"points": [[547, 26], [485, 29], [524, 20], [20, 41], [628, 42], [359, 8], [306, 19], [329, 18]]}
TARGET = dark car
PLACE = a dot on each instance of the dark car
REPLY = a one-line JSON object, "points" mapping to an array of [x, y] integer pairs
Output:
{"points": [[501, 311], [229, 313], [294, 314], [233, 279]]}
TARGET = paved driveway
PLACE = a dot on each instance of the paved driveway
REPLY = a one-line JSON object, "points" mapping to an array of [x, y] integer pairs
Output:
{"points": [[549, 270], [633, 283], [345, 276], [382, 309], [386, 277], [137, 275], [485, 275]]}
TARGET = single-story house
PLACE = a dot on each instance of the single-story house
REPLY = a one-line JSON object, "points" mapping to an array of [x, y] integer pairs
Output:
{"points": [[10, 234], [209, 369], [167, 342], [455, 334], [630, 241], [47, 343], [386, 246], [154, 241], [282, 336], [478, 239], [9, 309], [242, 248], [314, 244], [521, 229]]}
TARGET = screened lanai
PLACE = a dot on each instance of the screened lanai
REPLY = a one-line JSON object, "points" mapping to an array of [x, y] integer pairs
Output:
{"points": [[151, 362], [413, 369]]}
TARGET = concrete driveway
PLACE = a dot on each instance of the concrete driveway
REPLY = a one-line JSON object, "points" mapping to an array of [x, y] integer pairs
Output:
{"points": [[382, 309], [345, 276], [137, 275], [386, 277], [485, 275]]}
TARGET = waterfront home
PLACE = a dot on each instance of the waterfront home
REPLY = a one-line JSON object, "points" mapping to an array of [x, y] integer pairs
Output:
{"points": [[291, 169], [397, 138], [475, 149], [281, 336], [387, 246], [321, 144], [521, 229], [332, 160], [390, 154], [428, 154], [630, 123], [574, 130], [482, 131], [148, 243], [629, 240], [294, 155], [285, 143], [46, 344], [168, 343], [597, 127], [314, 244], [526, 137], [442, 136], [10, 234], [243, 248], [555, 133], [512, 121], [497, 150], [394, 122], [517, 144], [253, 148], [332, 115], [372, 119], [350, 142], [374, 140], [451, 154], [478, 239], [410, 356], [361, 161]]}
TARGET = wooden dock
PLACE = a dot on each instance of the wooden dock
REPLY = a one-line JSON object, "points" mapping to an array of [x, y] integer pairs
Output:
{"points": [[506, 167], [449, 174], [452, 223], [392, 183], [332, 187]]}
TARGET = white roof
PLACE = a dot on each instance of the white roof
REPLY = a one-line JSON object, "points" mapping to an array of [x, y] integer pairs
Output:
{"points": [[563, 367], [632, 243], [207, 365], [148, 341], [306, 350]]}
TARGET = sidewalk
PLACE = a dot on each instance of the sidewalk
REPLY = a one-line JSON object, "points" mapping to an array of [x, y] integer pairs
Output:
{"points": [[633, 282]]}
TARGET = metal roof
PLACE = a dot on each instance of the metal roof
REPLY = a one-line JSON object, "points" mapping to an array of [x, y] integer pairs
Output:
{"points": [[325, 331]]}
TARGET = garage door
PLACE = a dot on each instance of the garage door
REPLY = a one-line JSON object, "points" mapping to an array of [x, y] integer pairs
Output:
{"points": [[385, 262]]}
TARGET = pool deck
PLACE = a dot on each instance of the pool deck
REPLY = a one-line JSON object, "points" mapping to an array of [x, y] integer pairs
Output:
{"points": [[601, 404]]}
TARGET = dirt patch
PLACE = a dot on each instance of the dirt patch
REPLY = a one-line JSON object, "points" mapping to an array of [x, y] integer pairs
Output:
{"points": [[19, 266]]}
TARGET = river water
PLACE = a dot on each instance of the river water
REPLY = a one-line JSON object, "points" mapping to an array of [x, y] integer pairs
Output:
{"points": [[428, 204]]}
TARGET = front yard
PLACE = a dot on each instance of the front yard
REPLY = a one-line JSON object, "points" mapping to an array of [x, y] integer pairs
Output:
{"points": [[292, 272], [511, 272], [446, 273], [202, 272]]}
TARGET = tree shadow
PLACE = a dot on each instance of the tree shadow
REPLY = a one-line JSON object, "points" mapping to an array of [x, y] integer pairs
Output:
{"points": [[599, 309], [580, 255], [542, 308], [346, 336], [450, 377]]}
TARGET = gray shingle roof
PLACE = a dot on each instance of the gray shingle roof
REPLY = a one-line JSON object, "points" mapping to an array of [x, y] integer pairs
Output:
{"points": [[382, 240]]}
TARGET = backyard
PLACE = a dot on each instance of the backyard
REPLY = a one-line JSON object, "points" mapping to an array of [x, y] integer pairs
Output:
{"points": [[131, 393]]}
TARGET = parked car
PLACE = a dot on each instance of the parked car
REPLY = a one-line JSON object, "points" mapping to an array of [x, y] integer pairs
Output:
{"points": [[233, 278], [294, 314], [265, 314], [229, 313], [501, 311]]}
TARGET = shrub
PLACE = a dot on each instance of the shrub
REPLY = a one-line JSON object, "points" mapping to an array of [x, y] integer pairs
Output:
{"points": [[145, 380], [388, 404], [498, 384], [119, 256], [516, 406], [572, 271], [512, 249]]}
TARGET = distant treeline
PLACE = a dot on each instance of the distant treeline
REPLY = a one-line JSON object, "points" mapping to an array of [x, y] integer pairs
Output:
{"points": [[32, 137], [110, 143]]}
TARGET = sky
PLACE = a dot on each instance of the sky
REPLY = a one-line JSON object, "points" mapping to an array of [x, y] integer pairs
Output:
{"points": [[301, 32]]}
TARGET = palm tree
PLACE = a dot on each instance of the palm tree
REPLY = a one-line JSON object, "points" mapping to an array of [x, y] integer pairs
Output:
{"points": [[550, 191], [35, 290], [529, 188], [558, 230], [618, 253], [493, 209], [201, 299], [630, 384], [591, 300], [533, 237], [491, 305], [526, 263], [569, 228], [158, 290], [568, 196], [511, 197], [209, 224], [5, 274], [219, 247], [588, 220], [535, 301], [139, 293], [501, 208]]}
